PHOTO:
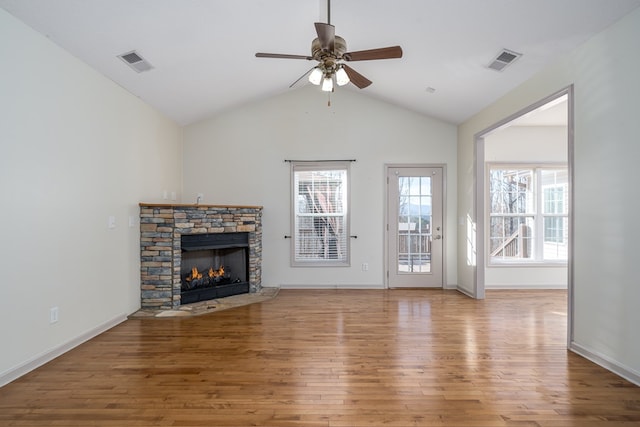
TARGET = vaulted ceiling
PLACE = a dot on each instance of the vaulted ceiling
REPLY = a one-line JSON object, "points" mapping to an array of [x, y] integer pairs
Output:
{"points": [[203, 51]]}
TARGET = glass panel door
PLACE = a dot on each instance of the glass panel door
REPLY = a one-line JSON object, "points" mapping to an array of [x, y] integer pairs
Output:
{"points": [[415, 227]]}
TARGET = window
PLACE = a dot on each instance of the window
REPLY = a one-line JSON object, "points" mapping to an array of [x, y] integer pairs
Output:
{"points": [[320, 213], [528, 214], [414, 224], [555, 200]]}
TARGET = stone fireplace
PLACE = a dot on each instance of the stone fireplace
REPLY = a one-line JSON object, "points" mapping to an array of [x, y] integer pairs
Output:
{"points": [[176, 240]]}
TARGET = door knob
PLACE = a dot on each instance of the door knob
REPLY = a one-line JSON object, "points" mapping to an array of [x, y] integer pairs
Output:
{"points": [[437, 237]]}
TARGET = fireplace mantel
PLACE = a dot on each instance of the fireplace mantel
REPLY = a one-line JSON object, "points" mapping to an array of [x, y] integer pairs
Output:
{"points": [[161, 228], [196, 205]]}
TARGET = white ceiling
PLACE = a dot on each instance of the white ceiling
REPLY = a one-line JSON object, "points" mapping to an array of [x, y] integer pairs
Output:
{"points": [[203, 50], [554, 113]]}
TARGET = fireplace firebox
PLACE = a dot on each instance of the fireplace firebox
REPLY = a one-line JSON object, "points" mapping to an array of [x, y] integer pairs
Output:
{"points": [[214, 265]]}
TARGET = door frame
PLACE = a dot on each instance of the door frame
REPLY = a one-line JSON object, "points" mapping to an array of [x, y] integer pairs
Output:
{"points": [[385, 226], [480, 205]]}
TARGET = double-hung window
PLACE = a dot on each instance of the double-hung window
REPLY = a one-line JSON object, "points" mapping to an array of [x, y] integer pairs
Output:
{"points": [[555, 220], [528, 214], [320, 193]]}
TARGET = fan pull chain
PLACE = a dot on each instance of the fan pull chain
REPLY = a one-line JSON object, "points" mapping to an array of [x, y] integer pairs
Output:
{"points": [[328, 99]]}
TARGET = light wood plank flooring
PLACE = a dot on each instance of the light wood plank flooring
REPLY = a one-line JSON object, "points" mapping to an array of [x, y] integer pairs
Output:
{"points": [[333, 358]]}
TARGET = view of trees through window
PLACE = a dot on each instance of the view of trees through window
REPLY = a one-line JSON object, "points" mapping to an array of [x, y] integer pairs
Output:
{"points": [[414, 224], [528, 214]]}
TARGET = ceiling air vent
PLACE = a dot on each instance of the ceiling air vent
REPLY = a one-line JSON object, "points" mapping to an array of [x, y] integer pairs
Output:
{"points": [[135, 61], [504, 58]]}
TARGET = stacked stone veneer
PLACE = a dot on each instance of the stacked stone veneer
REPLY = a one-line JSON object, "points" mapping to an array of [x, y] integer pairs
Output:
{"points": [[161, 227]]}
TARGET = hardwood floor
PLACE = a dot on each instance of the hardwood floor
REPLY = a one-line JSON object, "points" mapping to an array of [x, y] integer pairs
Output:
{"points": [[333, 358]]}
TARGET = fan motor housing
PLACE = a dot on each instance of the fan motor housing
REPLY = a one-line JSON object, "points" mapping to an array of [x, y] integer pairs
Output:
{"points": [[339, 48]]}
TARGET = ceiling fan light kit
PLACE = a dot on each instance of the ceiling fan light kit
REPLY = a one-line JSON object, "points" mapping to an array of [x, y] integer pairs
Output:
{"points": [[331, 53], [318, 75]]}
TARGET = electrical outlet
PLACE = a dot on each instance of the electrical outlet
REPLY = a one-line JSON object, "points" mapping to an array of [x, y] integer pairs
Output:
{"points": [[53, 315], [365, 266]]}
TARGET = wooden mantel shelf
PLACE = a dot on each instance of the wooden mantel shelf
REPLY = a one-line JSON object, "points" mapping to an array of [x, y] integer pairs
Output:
{"points": [[194, 205]]}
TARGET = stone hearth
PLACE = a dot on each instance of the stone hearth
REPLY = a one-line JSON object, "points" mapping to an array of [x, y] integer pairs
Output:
{"points": [[161, 228]]}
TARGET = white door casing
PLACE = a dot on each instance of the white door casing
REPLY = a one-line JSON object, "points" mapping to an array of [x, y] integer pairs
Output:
{"points": [[415, 228]]}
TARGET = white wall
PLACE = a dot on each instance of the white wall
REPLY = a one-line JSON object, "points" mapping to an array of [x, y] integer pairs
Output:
{"points": [[238, 158], [526, 144], [75, 148], [604, 72]]}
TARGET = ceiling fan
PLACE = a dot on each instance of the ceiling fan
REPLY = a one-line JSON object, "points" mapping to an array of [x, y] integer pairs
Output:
{"points": [[331, 53]]}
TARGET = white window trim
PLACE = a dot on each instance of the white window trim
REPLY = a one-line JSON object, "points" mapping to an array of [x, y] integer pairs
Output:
{"points": [[317, 166]]}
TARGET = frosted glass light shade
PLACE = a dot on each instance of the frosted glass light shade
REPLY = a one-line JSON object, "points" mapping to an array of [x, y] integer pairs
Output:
{"points": [[316, 76], [327, 84], [341, 77]]}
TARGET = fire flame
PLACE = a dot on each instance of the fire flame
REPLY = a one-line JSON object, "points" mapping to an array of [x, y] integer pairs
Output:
{"points": [[216, 273], [195, 275]]}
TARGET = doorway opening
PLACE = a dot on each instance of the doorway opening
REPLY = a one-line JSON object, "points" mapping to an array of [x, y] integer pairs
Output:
{"points": [[549, 124]]}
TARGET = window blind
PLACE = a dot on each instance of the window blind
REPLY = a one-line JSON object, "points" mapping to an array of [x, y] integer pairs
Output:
{"points": [[320, 213]]}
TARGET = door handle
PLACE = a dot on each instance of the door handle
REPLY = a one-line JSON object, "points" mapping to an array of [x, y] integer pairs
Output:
{"points": [[437, 237]]}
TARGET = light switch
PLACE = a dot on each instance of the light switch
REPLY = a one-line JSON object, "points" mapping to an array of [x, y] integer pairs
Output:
{"points": [[111, 222]]}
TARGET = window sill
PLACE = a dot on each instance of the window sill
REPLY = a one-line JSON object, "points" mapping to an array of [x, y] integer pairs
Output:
{"points": [[532, 264]]}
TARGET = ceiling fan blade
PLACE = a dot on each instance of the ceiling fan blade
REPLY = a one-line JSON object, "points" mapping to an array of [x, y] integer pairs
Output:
{"points": [[301, 77], [282, 56], [326, 35], [356, 78], [367, 55]]}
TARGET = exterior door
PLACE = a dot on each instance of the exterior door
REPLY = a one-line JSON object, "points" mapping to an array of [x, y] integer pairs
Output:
{"points": [[415, 230]]}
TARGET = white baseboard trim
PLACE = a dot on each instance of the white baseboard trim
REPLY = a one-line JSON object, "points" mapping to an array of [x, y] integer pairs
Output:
{"points": [[349, 286], [35, 362], [606, 362], [331, 286], [530, 286]]}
